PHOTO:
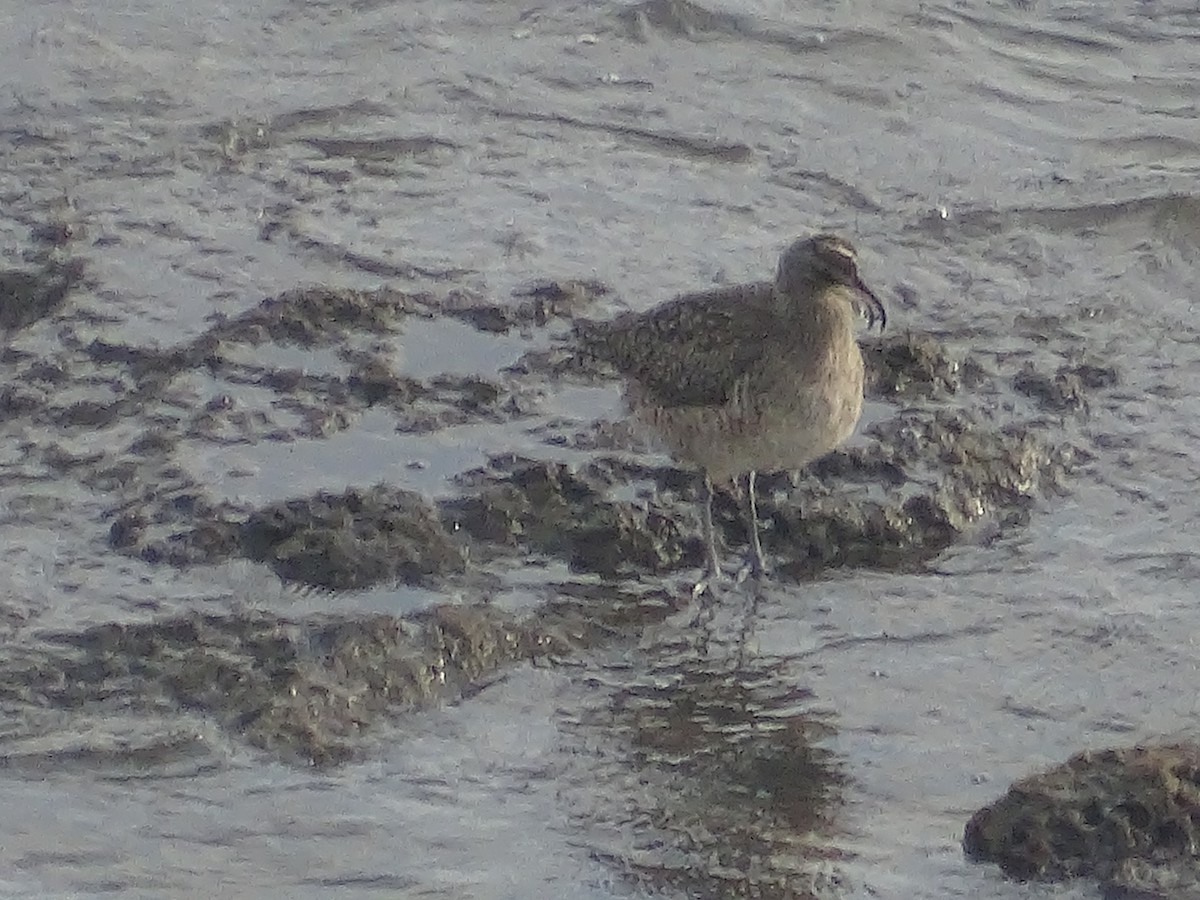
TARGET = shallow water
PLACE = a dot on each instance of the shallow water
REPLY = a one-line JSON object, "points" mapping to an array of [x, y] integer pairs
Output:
{"points": [[1019, 178]]}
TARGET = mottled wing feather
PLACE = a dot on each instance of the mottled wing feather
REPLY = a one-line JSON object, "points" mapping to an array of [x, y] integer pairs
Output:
{"points": [[693, 350]]}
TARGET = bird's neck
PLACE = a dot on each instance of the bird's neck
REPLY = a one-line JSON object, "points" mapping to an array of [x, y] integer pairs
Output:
{"points": [[826, 306]]}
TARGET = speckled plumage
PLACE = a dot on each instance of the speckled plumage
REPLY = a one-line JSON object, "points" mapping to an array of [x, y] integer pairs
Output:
{"points": [[749, 378]]}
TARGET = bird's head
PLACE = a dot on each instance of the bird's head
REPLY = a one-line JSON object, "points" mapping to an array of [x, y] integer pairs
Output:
{"points": [[823, 261]]}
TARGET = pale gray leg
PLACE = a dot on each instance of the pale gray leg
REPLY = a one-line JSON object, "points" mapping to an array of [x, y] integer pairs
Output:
{"points": [[758, 564], [712, 566]]}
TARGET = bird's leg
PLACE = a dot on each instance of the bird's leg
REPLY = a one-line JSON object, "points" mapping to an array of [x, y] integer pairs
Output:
{"points": [[712, 567], [758, 565]]}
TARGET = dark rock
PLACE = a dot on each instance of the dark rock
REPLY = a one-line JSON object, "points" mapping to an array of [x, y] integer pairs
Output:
{"points": [[549, 508], [945, 473], [1092, 814], [910, 364], [304, 690], [321, 316], [1094, 377], [126, 530], [352, 540], [539, 303], [1061, 392], [27, 297]]}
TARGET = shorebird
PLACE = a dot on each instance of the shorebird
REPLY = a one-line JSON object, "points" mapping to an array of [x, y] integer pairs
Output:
{"points": [[749, 378]]}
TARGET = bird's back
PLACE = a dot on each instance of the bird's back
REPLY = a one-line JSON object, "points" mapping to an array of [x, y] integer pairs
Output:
{"points": [[691, 351]]}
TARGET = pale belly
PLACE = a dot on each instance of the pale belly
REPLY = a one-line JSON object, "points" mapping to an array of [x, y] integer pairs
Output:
{"points": [[766, 434]]}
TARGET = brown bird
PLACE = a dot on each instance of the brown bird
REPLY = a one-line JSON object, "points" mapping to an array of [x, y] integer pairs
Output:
{"points": [[750, 378]]}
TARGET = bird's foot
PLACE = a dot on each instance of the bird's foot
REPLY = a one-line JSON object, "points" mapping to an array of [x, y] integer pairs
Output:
{"points": [[712, 572], [702, 587], [754, 567]]}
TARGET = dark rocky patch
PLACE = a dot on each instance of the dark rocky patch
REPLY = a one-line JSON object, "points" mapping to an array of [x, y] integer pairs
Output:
{"points": [[945, 474], [1061, 392], [909, 364], [1065, 390], [347, 541], [538, 304], [1094, 376], [676, 18], [319, 316], [304, 690], [1144, 879], [548, 508], [948, 474], [28, 297], [1100, 814], [307, 690], [352, 540]]}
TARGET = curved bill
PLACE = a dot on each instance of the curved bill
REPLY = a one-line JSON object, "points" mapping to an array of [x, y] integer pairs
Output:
{"points": [[875, 310]]}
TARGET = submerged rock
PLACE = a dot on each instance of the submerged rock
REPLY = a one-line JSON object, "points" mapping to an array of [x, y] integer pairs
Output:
{"points": [[305, 690]]}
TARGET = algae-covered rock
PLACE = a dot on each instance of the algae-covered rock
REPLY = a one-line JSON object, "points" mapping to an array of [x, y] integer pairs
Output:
{"points": [[1094, 813]]}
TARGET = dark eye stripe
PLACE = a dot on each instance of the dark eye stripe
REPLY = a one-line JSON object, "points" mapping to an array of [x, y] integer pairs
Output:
{"points": [[833, 244]]}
